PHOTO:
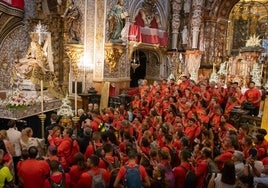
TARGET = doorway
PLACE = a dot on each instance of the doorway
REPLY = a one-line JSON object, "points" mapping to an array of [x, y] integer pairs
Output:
{"points": [[138, 58]]}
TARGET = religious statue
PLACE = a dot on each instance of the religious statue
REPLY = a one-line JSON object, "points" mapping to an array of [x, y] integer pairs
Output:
{"points": [[72, 16], [184, 35], [33, 67], [116, 20], [35, 56]]}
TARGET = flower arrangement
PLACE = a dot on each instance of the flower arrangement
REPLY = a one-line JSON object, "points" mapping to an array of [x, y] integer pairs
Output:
{"points": [[18, 100], [65, 109]]}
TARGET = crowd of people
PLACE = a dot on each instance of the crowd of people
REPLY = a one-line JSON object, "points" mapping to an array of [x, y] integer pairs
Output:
{"points": [[170, 135]]}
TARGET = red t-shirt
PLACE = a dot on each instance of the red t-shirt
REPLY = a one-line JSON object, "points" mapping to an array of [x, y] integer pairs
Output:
{"points": [[85, 179], [180, 173], [75, 173], [253, 95], [33, 172], [57, 179]]}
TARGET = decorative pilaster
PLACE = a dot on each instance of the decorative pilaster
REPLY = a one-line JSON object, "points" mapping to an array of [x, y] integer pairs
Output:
{"points": [[196, 21], [176, 6]]}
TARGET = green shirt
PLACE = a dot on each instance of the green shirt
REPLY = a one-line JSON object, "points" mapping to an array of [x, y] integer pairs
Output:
{"points": [[5, 174]]}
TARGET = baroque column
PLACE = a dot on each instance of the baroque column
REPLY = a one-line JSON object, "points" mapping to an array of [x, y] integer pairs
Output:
{"points": [[196, 21], [176, 8]]}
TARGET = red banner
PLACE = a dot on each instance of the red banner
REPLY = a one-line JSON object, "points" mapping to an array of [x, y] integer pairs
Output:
{"points": [[148, 35], [15, 3]]}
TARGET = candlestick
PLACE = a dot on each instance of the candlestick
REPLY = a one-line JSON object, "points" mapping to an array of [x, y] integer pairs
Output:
{"points": [[42, 96], [75, 98]]}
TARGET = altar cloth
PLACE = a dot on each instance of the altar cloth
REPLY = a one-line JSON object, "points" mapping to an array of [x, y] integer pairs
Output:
{"points": [[27, 111]]}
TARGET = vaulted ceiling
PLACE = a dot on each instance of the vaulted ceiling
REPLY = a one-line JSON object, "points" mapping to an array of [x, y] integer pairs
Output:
{"points": [[10, 18]]}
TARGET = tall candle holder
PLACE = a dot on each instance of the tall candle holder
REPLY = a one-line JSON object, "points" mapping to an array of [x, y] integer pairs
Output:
{"points": [[75, 52]]}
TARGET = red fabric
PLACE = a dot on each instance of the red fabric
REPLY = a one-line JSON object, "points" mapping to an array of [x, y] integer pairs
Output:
{"points": [[253, 95], [33, 177], [64, 149], [15, 3], [225, 156], [139, 21], [85, 179], [18, 3], [201, 172], [136, 35], [180, 173], [57, 179], [154, 24], [75, 173]]}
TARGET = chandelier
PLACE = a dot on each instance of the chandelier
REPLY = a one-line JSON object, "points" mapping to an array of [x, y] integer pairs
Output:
{"points": [[135, 62]]}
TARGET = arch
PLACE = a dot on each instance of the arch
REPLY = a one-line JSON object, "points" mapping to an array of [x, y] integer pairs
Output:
{"points": [[136, 5]]}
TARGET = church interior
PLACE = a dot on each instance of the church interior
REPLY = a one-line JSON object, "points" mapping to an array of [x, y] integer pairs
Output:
{"points": [[52, 49], [164, 84]]}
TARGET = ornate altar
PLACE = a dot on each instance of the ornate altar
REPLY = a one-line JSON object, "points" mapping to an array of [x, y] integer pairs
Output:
{"points": [[246, 66]]}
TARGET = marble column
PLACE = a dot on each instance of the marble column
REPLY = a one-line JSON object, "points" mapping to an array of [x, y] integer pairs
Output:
{"points": [[196, 21], [176, 6]]}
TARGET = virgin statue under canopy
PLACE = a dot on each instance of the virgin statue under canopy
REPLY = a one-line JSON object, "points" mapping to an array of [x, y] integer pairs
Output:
{"points": [[37, 64]]}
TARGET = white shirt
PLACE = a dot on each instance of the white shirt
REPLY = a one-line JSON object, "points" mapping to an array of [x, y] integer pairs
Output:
{"points": [[14, 137]]}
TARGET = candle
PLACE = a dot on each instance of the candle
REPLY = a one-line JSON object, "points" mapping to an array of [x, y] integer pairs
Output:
{"points": [[75, 98], [42, 96]]}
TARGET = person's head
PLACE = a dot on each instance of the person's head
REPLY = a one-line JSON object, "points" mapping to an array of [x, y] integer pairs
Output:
{"points": [[185, 155], [93, 161], [168, 138], [52, 150], [67, 132], [54, 165], [28, 132], [80, 160], [251, 85], [90, 106], [228, 173], [11, 124], [132, 154], [184, 141], [33, 151], [206, 152], [24, 154], [80, 112], [244, 129], [238, 156], [108, 148], [53, 118], [159, 172]]}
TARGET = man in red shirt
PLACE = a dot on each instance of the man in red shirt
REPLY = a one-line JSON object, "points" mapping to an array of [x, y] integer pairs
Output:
{"points": [[132, 154], [180, 171], [66, 146], [253, 96], [86, 179], [32, 172]]}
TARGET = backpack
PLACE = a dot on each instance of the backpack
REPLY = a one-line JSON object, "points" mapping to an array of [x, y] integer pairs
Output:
{"points": [[97, 179], [132, 177], [190, 178], [113, 169], [175, 160], [62, 183]]}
